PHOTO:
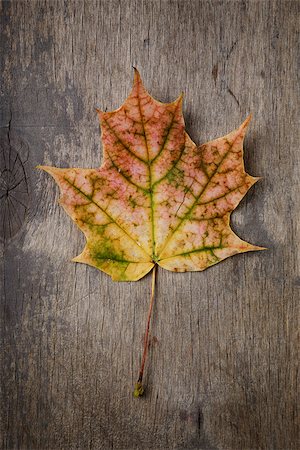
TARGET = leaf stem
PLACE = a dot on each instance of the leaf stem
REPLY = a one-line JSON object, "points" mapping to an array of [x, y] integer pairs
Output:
{"points": [[138, 389]]}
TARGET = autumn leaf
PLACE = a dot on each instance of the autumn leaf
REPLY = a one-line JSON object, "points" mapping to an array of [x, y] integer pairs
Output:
{"points": [[158, 198]]}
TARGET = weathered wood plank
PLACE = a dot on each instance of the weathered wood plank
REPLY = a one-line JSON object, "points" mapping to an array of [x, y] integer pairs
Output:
{"points": [[223, 367]]}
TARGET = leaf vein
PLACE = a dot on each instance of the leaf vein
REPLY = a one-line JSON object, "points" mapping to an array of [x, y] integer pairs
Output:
{"points": [[198, 197], [123, 143], [105, 212]]}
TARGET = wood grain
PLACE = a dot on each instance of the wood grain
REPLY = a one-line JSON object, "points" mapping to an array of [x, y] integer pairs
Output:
{"points": [[223, 366]]}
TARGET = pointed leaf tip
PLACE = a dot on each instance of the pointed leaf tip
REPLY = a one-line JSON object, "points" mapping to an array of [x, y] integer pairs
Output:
{"points": [[180, 98], [48, 169], [100, 113], [137, 77], [246, 121], [44, 168]]}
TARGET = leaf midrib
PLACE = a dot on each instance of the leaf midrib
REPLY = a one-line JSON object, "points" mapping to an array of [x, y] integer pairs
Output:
{"points": [[150, 179], [150, 162]]}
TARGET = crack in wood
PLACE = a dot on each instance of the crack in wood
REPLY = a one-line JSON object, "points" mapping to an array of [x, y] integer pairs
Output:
{"points": [[14, 192]]}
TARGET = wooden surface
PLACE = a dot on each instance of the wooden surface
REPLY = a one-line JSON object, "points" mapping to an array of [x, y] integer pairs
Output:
{"points": [[222, 370]]}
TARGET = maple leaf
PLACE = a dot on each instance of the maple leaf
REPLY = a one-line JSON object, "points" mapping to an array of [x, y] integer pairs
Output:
{"points": [[157, 197]]}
